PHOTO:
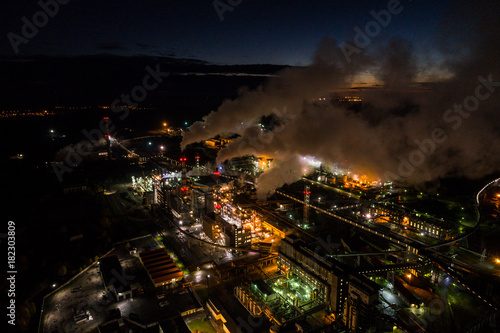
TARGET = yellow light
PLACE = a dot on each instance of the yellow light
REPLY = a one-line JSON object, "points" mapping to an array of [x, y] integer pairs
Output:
{"points": [[164, 124], [497, 260], [409, 276]]}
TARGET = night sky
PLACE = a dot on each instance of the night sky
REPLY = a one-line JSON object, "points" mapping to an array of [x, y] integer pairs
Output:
{"points": [[257, 31]]}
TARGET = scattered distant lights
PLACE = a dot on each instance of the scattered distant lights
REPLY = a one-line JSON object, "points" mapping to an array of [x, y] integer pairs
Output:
{"points": [[150, 143]]}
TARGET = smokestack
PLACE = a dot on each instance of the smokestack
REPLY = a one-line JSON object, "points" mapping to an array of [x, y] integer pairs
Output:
{"points": [[307, 200], [184, 177]]}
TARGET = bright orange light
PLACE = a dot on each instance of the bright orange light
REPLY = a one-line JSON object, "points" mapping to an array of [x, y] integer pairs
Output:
{"points": [[497, 260], [164, 124], [409, 276]]}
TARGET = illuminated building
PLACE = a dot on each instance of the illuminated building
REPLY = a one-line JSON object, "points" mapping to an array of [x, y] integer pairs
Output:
{"points": [[276, 230], [235, 237], [295, 258], [263, 162], [211, 228], [248, 163], [390, 213], [329, 279], [362, 296], [349, 99], [217, 143]]}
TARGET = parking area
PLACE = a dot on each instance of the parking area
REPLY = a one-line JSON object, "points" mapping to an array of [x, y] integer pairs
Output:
{"points": [[82, 304]]}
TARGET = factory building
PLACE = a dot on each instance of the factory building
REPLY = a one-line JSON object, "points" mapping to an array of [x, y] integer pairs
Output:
{"points": [[362, 296], [217, 143], [263, 162], [280, 231], [248, 163], [225, 233], [211, 227], [114, 278], [418, 222], [234, 236], [330, 281], [161, 268], [345, 292]]}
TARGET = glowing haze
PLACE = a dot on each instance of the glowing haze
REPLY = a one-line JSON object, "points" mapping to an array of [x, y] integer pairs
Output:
{"points": [[406, 130]]}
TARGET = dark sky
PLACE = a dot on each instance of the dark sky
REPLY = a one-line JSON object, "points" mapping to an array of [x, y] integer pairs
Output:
{"points": [[255, 31]]}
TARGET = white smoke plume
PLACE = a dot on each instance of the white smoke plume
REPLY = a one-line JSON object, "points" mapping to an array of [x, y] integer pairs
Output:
{"points": [[406, 130]]}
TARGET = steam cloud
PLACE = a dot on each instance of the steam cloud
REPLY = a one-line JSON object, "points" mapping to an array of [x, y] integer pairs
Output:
{"points": [[393, 135]]}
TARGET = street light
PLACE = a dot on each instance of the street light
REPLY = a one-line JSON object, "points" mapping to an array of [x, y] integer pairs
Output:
{"points": [[208, 286]]}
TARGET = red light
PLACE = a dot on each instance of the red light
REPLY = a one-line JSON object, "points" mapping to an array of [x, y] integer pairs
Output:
{"points": [[184, 188], [307, 192], [197, 157], [183, 159], [217, 206], [106, 118], [107, 135]]}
